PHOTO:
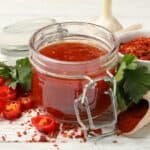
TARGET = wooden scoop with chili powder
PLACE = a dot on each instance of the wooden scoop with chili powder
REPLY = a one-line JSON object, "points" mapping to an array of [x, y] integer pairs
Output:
{"points": [[133, 95], [135, 117]]}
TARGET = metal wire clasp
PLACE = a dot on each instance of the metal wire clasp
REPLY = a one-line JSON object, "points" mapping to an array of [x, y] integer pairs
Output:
{"points": [[83, 100]]}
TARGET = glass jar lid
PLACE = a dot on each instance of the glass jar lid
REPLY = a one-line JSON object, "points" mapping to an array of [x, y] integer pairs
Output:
{"points": [[16, 36]]}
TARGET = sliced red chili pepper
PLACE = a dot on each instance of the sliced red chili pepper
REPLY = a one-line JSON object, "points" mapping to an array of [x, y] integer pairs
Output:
{"points": [[7, 93], [26, 102], [45, 123], [2, 80], [12, 110], [2, 105]]}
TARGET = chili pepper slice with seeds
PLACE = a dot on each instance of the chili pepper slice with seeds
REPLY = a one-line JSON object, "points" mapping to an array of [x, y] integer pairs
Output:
{"points": [[12, 110], [26, 102], [45, 123]]}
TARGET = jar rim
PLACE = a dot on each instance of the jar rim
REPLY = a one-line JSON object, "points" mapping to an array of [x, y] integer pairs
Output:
{"points": [[100, 58]]}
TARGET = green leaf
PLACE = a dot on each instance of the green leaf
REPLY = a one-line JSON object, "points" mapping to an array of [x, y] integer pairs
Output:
{"points": [[13, 73], [137, 83], [132, 66], [4, 71], [24, 72], [133, 82], [120, 73], [127, 62], [128, 59], [13, 84], [21, 74], [120, 99]]}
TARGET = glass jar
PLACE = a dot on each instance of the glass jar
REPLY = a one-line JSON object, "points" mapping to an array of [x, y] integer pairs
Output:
{"points": [[60, 86]]}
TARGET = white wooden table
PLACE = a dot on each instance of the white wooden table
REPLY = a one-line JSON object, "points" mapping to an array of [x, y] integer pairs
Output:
{"points": [[127, 11]]}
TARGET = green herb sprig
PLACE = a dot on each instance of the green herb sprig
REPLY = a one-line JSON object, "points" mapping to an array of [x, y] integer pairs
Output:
{"points": [[133, 81], [20, 74]]}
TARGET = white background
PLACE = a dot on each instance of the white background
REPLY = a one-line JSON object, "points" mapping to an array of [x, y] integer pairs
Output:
{"points": [[127, 11]]}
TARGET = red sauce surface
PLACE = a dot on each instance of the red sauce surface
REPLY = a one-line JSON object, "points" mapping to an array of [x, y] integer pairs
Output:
{"points": [[72, 51], [58, 95], [139, 47]]}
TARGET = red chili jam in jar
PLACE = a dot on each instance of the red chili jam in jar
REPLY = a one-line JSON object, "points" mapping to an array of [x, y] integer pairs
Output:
{"points": [[64, 57]]}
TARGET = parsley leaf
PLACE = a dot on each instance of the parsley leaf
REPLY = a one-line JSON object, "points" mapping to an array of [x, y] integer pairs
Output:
{"points": [[20, 74], [127, 62], [137, 83], [23, 68], [121, 98], [5, 71], [133, 82]]}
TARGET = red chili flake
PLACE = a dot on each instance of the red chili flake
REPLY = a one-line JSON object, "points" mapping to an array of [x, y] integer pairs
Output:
{"points": [[22, 124], [53, 134], [81, 136], [33, 139], [3, 138], [65, 135], [55, 145], [30, 125], [139, 47], [28, 121], [43, 138], [38, 113], [115, 141], [66, 126], [25, 132], [34, 135], [29, 111], [76, 130], [19, 134], [73, 133]]}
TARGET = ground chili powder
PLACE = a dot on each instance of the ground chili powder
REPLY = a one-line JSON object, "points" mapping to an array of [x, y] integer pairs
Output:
{"points": [[139, 47], [128, 119]]}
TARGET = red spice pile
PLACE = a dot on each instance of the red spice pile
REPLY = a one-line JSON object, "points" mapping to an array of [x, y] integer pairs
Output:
{"points": [[72, 131], [128, 119], [139, 47]]}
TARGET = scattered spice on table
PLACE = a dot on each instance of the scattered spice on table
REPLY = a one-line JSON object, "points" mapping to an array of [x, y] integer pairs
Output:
{"points": [[115, 141]]}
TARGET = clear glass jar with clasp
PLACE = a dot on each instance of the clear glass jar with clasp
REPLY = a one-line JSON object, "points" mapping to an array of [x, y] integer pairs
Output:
{"points": [[76, 92]]}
